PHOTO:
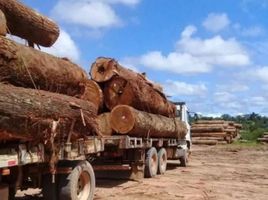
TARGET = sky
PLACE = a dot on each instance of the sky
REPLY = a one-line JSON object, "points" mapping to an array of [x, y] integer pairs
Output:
{"points": [[211, 54]]}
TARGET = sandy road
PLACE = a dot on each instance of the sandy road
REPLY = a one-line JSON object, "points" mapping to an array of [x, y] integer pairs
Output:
{"points": [[214, 173]]}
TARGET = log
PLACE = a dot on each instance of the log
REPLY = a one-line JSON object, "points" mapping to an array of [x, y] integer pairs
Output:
{"points": [[210, 138], [209, 125], [138, 94], [92, 92], [207, 129], [27, 114], [26, 23], [3, 24], [127, 120], [205, 142], [104, 125], [31, 68], [210, 122], [262, 139], [213, 134]]}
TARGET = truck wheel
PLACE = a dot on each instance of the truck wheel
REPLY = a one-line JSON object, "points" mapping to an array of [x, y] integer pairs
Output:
{"points": [[48, 188], [79, 184], [151, 163], [183, 161], [162, 161]]}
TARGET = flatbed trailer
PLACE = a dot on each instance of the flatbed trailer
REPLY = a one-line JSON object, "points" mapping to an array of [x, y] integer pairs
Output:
{"points": [[23, 166]]}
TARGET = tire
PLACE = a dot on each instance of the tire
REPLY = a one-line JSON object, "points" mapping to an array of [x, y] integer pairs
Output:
{"points": [[162, 161], [151, 163], [79, 184], [48, 188], [183, 161]]}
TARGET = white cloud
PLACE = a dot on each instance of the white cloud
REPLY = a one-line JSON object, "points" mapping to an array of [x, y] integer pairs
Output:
{"points": [[233, 87], [126, 2], [177, 88], [90, 14], [252, 31], [223, 97], [64, 47], [196, 55], [261, 74], [216, 22]]}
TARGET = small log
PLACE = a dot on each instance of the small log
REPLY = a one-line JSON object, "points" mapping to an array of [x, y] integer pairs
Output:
{"points": [[209, 125], [31, 68], [209, 138], [27, 114], [207, 129], [138, 94], [26, 23], [92, 92], [127, 120], [205, 142], [213, 134], [104, 125], [3, 24]]}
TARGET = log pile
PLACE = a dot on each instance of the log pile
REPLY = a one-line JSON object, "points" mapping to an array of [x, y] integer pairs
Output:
{"points": [[130, 111], [43, 98], [264, 138], [48, 99], [212, 132]]}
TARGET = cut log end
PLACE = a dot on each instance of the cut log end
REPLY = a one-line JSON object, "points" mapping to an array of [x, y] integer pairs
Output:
{"points": [[116, 92], [92, 92], [3, 24], [122, 119], [103, 69], [104, 125]]}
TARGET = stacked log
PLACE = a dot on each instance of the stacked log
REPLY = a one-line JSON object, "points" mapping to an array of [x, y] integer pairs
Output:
{"points": [[264, 138], [125, 87], [219, 131], [26, 23], [131, 111], [127, 120]]}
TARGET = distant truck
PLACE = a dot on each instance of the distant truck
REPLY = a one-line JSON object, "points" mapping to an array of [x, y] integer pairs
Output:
{"points": [[23, 166]]}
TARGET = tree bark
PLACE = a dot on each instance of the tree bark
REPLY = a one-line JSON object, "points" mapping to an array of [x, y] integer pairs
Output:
{"points": [[3, 24], [104, 124], [207, 129], [27, 67], [26, 23], [127, 120], [92, 92], [27, 114], [205, 142], [138, 94], [209, 138]]}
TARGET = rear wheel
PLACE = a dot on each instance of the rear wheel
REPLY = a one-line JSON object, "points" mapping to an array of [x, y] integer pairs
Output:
{"points": [[162, 161], [79, 185], [151, 163]]}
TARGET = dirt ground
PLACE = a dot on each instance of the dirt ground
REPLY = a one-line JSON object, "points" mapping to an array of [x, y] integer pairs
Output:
{"points": [[214, 173]]}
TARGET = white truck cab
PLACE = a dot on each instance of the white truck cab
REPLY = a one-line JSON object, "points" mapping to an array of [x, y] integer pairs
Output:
{"points": [[184, 148]]}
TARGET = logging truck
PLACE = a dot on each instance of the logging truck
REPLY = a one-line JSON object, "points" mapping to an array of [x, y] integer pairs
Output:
{"points": [[23, 166]]}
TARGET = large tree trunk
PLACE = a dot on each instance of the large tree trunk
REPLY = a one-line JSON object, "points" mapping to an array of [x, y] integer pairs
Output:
{"points": [[207, 129], [27, 67], [138, 94], [27, 114], [104, 124], [127, 120], [3, 24], [92, 92], [26, 23]]}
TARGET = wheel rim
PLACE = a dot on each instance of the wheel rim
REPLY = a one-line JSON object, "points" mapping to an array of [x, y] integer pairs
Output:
{"points": [[83, 186], [154, 163]]}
